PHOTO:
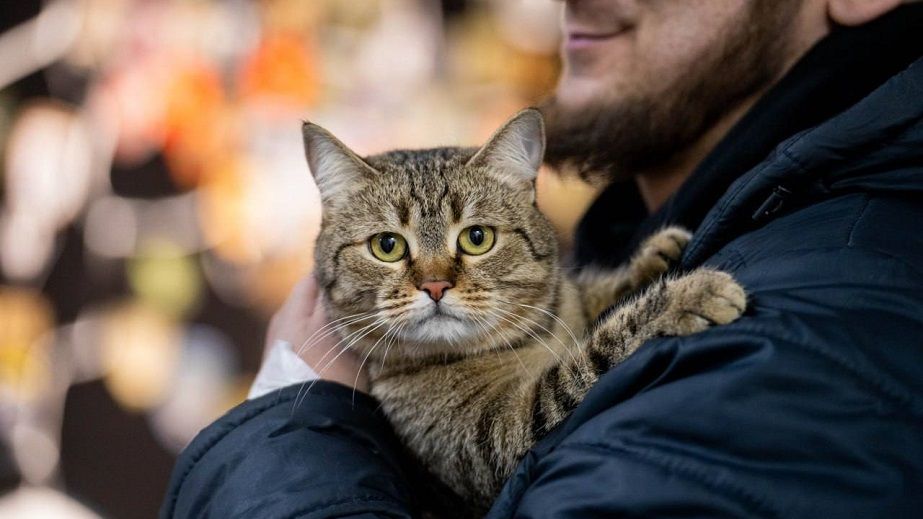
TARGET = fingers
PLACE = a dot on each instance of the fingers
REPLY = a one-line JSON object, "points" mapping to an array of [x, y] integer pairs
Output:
{"points": [[303, 297], [296, 316], [312, 294], [301, 322]]}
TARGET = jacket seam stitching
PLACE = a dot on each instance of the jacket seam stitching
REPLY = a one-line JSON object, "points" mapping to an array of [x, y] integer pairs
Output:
{"points": [[871, 250], [855, 223], [834, 248], [883, 141], [799, 165], [676, 466], [736, 260], [730, 198]]}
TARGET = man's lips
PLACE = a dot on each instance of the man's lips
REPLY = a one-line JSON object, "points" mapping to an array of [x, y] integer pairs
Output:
{"points": [[583, 39]]}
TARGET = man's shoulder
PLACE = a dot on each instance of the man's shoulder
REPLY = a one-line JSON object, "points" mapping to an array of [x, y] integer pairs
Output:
{"points": [[775, 412], [840, 231], [842, 281]]}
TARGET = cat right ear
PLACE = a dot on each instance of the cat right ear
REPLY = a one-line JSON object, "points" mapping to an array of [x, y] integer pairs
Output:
{"points": [[336, 169], [514, 152]]}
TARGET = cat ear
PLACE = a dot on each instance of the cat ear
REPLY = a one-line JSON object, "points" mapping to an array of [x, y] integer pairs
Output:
{"points": [[337, 170], [515, 151]]}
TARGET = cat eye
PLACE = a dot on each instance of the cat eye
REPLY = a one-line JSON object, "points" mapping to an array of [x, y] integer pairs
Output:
{"points": [[388, 247], [476, 240]]}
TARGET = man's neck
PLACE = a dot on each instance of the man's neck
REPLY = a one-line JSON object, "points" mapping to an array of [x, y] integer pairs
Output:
{"points": [[656, 184]]}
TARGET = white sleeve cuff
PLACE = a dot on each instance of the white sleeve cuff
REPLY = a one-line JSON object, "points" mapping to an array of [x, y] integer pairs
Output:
{"points": [[282, 368]]}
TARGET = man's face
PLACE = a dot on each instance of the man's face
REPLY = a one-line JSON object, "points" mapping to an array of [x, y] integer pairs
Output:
{"points": [[644, 78]]}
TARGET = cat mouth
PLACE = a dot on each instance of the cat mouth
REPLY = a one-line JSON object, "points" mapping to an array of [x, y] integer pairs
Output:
{"points": [[439, 315], [439, 324], [439, 327], [444, 312]]}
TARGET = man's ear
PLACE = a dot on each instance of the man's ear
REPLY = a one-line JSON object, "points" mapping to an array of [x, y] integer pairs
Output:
{"points": [[515, 151], [858, 12], [337, 170]]}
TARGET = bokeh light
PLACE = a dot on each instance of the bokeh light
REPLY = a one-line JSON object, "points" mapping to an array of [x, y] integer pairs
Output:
{"points": [[156, 207], [165, 278], [26, 319]]}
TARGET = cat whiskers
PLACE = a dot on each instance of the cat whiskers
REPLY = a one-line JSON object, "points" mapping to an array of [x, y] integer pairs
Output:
{"points": [[391, 342], [385, 315], [390, 329], [579, 351], [355, 337], [331, 328], [397, 304], [531, 333], [487, 328], [352, 338], [549, 314]]}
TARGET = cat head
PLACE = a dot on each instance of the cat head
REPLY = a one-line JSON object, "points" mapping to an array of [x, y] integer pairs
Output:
{"points": [[434, 252]]}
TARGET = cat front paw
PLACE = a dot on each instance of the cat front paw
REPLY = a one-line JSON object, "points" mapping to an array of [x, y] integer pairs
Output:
{"points": [[701, 299], [658, 254]]}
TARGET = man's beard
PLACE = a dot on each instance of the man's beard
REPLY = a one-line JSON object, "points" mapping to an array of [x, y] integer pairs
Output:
{"points": [[616, 139]]}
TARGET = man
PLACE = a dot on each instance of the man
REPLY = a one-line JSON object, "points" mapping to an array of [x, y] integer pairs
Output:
{"points": [[789, 135]]}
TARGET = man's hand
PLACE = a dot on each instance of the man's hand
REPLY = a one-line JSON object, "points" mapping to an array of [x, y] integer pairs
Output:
{"points": [[298, 322]]}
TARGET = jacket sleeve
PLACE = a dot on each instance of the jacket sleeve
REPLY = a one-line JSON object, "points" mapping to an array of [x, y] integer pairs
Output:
{"points": [[806, 407], [327, 453]]}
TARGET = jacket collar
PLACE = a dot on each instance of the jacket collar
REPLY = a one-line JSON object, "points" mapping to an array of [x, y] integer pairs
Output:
{"points": [[875, 146]]}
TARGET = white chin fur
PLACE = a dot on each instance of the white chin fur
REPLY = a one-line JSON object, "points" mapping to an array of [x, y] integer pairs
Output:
{"points": [[440, 329], [449, 326]]}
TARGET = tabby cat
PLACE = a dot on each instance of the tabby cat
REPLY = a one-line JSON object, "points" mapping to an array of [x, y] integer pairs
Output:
{"points": [[438, 268]]}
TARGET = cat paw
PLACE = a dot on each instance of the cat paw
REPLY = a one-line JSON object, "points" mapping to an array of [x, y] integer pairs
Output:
{"points": [[658, 254], [701, 299]]}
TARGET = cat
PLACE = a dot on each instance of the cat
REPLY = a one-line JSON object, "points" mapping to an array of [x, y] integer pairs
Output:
{"points": [[440, 271]]}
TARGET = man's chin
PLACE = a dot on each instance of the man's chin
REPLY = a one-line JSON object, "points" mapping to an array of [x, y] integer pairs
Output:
{"points": [[577, 93], [613, 123], [577, 135]]}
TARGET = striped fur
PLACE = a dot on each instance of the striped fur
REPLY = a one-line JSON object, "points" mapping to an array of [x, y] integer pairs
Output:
{"points": [[513, 350]]}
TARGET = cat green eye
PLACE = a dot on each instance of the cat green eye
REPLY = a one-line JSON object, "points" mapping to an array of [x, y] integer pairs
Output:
{"points": [[476, 240], [388, 247]]}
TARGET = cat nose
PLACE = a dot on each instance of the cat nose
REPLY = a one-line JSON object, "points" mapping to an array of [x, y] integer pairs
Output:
{"points": [[435, 289]]}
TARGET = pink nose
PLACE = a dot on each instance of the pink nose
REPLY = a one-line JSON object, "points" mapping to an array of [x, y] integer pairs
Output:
{"points": [[435, 289]]}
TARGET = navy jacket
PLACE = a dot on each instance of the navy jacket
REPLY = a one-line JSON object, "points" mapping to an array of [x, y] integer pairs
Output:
{"points": [[811, 405]]}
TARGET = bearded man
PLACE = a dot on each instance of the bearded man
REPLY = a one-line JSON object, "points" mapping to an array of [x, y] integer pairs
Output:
{"points": [[788, 134]]}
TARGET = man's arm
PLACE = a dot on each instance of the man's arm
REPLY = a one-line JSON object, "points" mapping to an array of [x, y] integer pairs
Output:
{"points": [[328, 453], [721, 436], [804, 408]]}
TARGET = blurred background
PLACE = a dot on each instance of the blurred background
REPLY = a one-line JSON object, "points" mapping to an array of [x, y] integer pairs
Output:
{"points": [[155, 205]]}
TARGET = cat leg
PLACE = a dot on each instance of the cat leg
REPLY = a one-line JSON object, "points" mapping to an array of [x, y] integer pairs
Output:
{"points": [[511, 416], [656, 255], [673, 307], [601, 289]]}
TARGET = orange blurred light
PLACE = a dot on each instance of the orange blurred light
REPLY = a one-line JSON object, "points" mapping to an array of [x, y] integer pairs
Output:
{"points": [[282, 70], [196, 125], [25, 318], [223, 214]]}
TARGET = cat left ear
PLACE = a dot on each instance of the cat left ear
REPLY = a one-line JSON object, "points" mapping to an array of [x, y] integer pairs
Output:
{"points": [[515, 151], [337, 169]]}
